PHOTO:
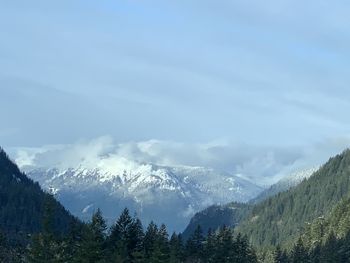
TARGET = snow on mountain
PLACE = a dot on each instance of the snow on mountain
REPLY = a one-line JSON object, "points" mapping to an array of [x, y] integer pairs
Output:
{"points": [[164, 194], [296, 178], [285, 183]]}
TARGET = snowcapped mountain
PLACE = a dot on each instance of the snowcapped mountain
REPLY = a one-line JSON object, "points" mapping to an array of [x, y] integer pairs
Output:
{"points": [[285, 183], [164, 194]]}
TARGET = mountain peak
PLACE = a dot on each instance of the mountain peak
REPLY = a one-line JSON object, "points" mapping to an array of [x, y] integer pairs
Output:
{"points": [[173, 193]]}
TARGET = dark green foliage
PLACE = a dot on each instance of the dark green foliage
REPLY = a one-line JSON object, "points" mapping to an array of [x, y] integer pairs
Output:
{"points": [[318, 209], [337, 223], [89, 244], [216, 216], [7, 253], [126, 239], [135, 244], [243, 252], [210, 247], [195, 245], [126, 236], [280, 256], [150, 239], [225, 250], [176, 247], [74, 240], [93, 240], [22, 205], [280, 219], [220, 246], [156, 244], [334, 250], [162, 246], [327, 238], [299, 253], [45, 246]]}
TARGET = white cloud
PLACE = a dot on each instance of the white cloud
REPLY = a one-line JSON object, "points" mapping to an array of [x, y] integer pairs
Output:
{"points": [[264, 165]]}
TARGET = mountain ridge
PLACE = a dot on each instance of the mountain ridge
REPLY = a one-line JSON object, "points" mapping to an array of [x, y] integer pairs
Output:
{"points": [[280, 218], [175, 192], [22, 204], [224, 214]]}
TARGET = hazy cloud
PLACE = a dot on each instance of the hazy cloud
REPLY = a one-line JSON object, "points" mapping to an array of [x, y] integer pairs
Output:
{"points": [[269, 78], [264, 165], [261, 73]]}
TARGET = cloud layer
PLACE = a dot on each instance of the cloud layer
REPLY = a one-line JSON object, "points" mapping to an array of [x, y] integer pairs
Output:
{"points": [[272, 72], [263, 165]]}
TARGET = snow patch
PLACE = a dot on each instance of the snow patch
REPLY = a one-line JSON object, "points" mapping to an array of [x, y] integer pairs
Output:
{"points": [[87, 208]]}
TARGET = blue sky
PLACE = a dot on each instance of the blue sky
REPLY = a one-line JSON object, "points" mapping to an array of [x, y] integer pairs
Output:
{"points": [[253, 72]]}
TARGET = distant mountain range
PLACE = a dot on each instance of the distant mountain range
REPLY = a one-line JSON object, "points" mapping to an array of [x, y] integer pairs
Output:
{"points": [[165, 194], [306, 214]]}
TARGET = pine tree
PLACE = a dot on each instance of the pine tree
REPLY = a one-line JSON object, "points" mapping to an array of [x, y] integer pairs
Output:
{"points": [[226, 250], [195, 245], [316, 253], [44, 247], [299, 253], [150, 239], [161, 253], [244, 251], [330, 250], [280, 256], [73, 241], [94, 237], [176, 248], [344, 248], [163, 242], [121, 229], [156, 256], [119, 238], [8, 253], [135, 241], [210, 246], [3, 247]]}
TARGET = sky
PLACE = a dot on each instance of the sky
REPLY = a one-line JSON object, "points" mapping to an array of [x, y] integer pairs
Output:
{"points": [[245, 74]]}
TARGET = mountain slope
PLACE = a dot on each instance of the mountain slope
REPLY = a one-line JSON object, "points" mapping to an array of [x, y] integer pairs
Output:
{"points": [[337, 222], [232, 214], [217, 216], [163, 194], [284, 184], [280, 218], [22, 204]]}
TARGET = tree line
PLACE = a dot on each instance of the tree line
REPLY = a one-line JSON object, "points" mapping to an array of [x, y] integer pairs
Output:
{"points": [[334, 250], [126, 241], [280, 219]]}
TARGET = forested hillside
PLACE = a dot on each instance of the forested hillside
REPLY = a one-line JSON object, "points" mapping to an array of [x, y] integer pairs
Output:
{"points": [[127, 241], [280, 219], [234, 213], [217, 216], [326, 239], [23, 204], [337, 223]]}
